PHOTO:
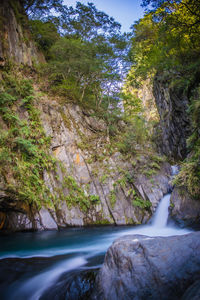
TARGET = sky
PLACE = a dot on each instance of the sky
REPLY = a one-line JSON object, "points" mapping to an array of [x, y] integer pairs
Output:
{"points": [[126, 12]]}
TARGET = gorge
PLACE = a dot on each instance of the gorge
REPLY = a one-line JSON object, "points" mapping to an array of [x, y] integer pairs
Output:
{"points": [[91, 121]]}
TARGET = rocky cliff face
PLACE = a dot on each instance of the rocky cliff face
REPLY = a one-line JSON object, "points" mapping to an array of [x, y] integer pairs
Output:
{"points": [[15, 40], [184, 209], [91, 183], [175, 127], [101, 183]]}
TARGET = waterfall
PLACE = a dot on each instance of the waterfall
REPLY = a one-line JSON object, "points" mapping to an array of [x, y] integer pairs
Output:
{"points": [[175, 170], [161, 214]]}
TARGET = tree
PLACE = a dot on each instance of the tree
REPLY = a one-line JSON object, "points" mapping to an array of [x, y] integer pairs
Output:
{"points": [[45, 34], [191, 8], [89, 58], [38, 8], [166, 39]]}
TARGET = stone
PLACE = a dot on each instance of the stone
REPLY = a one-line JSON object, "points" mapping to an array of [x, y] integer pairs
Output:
{"points": [[17, 221], [140, 267], [46, 220], [184, 209], [14, 37], [174, 126], [193, 292], [154, 189]]}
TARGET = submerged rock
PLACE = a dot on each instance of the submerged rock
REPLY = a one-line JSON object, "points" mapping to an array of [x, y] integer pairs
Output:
{"points": [[141, 267], [77, 285]]}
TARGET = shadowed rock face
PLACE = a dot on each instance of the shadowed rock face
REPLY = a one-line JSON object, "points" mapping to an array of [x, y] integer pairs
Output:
{"points": [[15, 40], [174, 127], [140, 267], [185, 210], [193, 292]]}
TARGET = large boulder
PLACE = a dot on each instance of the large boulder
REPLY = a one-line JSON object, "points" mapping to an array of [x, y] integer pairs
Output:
{"points": [[141, 267]]}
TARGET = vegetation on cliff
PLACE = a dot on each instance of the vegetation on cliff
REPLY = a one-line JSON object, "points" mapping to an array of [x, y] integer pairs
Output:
{"points": [[87, 59], [23, 143], [85, 64], [166, 43]]}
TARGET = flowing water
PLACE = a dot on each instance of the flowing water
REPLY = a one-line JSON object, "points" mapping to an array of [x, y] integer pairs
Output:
{"points": [[32, 264]]}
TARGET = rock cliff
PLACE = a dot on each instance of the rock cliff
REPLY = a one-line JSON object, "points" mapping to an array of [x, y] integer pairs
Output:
{"points": [[174, 127], [184, 209], [15, 39], [92, 183]]}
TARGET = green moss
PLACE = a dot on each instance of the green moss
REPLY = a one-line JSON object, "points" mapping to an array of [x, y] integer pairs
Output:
{"points": [[155, 165], [149, 172], [129, 221], [104, 178], [158, 159], [189, 176], [77, 196], [122, 181], [112, 198], [65, 118], [139, 202], [95, 199], [101, 222]]}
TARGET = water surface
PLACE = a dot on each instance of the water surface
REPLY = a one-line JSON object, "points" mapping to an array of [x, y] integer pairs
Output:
{"points": [[31, 264]]}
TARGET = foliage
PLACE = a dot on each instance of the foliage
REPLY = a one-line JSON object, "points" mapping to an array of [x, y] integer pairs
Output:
{"points": [[112, 198], [39, 8], [77, 196], [136, 134], [166, 43], [45, 34], [86, 54], [189, 175], [23, 146], [138, 202], [164, 40]]}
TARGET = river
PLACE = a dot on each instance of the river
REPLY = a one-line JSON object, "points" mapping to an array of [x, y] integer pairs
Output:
{"points": [[41, 265]]}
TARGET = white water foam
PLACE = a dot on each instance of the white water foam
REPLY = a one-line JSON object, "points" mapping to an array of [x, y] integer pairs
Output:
{"points": [[161, 214], [175, 170], [159, 225], [33, 288]]}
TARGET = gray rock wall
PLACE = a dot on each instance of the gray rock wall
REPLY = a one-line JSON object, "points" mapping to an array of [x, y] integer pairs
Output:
{"points": [[174, 128], [15, 40], [184, 209], [79, 142]]}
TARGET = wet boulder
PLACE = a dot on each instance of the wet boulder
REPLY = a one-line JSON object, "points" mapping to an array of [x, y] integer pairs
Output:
{"points": [[141, 267]]}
